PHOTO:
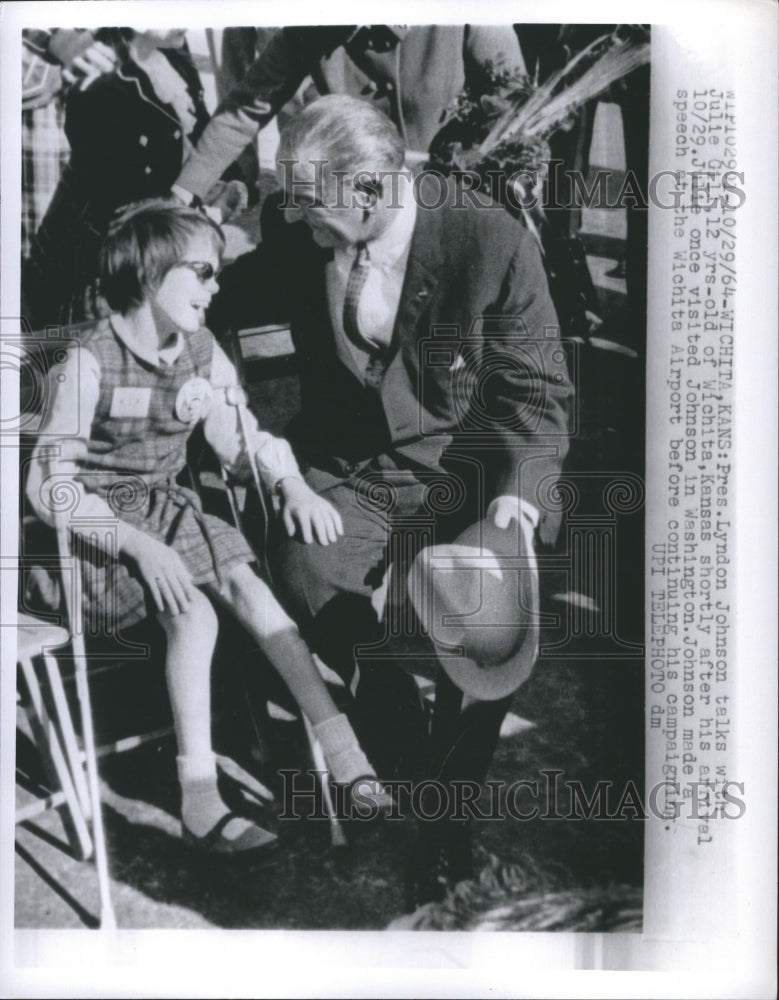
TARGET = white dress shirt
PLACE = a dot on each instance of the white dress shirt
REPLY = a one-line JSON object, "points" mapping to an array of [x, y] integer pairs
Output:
{"points": [[380, 296]]}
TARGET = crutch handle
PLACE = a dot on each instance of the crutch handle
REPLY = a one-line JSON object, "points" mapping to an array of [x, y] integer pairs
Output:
{"points": [[235, 396]]}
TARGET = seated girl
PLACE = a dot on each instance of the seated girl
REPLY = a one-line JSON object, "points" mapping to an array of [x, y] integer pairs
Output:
{"points": [[125, 403]]}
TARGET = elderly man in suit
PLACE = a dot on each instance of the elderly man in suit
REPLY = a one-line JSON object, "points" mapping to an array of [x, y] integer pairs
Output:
{"points": [[429, 361]]}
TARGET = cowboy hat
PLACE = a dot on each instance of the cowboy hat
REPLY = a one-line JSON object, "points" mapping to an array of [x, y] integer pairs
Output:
{"points": [[478, 600]]}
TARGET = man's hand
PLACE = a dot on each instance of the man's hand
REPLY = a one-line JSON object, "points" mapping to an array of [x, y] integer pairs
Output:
{"points": [[305, 512], [504, 510], [163, 571], [90, 64]]}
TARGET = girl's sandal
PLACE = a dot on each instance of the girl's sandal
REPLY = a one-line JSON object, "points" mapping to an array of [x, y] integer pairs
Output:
{"points": [[248, 843]]}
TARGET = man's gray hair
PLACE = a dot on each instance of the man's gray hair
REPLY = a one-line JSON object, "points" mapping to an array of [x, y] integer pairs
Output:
{"points": [[349, 134]]}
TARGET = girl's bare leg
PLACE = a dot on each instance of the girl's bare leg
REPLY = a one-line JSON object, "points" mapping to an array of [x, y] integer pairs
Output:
{"points": [[252, 602], [191, 639]]}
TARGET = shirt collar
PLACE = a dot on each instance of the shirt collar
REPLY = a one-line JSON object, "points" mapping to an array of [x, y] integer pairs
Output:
{"points": [[160, 358], [395, 241]]}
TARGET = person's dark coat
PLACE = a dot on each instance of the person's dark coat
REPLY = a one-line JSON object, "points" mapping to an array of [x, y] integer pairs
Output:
{"points": [[126, 145]]}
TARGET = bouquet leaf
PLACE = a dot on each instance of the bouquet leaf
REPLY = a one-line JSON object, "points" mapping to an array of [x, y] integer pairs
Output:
{"points": [[508, 125]]}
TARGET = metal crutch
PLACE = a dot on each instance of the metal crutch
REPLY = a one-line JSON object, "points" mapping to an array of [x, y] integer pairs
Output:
{"points": [[337, 836], [235, 396], [74, 611]]}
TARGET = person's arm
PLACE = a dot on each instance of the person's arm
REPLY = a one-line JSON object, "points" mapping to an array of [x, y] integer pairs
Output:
{"points": [[270, 82], [56, 58], [58, 45], [227, 426], [530, 393], [52, 482], [82, 58]]}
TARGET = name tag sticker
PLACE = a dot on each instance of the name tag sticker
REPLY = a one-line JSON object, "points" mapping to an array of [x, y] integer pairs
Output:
{"points": [[131, 401]]}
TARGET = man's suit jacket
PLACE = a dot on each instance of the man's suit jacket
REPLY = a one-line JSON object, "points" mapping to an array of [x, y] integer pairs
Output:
{"points": [[475, 360]]}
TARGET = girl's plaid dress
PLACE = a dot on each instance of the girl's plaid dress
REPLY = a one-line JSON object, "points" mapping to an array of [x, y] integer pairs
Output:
{"points": [[135, 463]]}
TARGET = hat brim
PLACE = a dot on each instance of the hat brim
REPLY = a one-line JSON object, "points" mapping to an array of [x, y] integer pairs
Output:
{"points": [[493, 683], [482, 681]]}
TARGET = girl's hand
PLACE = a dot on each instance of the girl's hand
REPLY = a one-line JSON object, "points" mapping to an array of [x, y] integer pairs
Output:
{"points": [[163, 571], [309, 514]]}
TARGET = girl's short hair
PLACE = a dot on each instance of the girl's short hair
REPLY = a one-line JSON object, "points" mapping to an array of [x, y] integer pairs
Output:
{"points": [[143, 244]]}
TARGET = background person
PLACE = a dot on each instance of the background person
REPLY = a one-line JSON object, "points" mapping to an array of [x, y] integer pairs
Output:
{"points": [[411, 73], [129, 131], [52, 60]]}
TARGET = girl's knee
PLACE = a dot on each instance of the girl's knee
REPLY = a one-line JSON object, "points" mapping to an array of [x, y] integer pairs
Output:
{"points": [[239, 585], [243, 586], [198, 620], [252, 600]]}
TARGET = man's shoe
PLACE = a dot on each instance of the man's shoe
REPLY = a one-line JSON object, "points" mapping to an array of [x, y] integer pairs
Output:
{"points": [[442, 858]]}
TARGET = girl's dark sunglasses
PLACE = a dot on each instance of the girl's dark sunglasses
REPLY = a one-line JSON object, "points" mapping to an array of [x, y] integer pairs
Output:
{"points": [[204, 271]]}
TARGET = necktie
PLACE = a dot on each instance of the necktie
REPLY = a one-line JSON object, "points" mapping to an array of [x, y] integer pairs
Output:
{"points": [[374, 371], [354, 286]]}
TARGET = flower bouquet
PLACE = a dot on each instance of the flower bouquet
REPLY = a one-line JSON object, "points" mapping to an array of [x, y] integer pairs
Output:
{"points": [[507, 126], [502, 135]]}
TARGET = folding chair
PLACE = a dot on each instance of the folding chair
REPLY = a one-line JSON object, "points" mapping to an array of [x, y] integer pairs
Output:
{"points": [[46, 652], [53, 735], [71, 771], [74, 770]]}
